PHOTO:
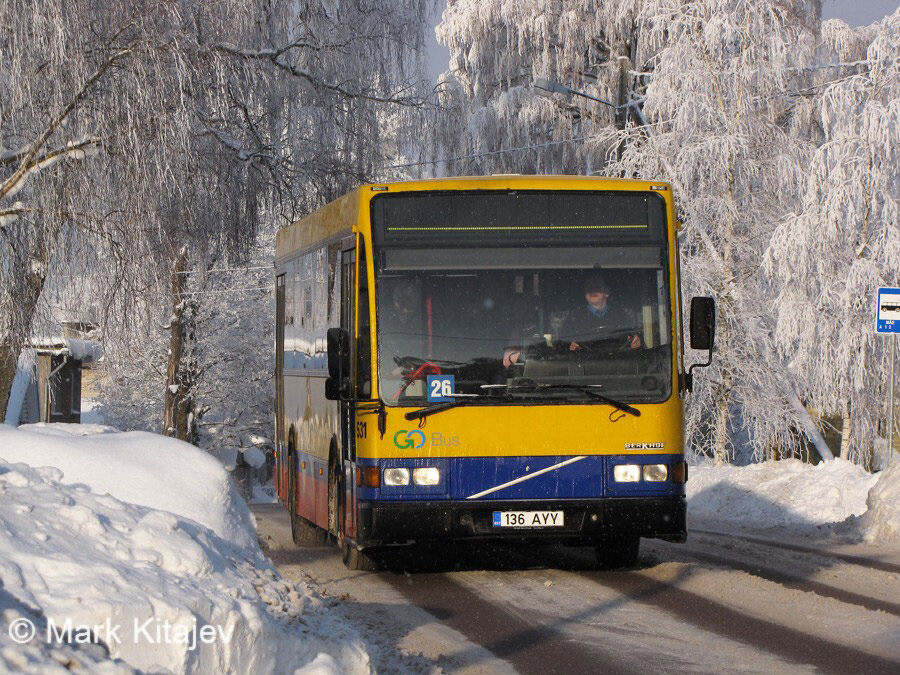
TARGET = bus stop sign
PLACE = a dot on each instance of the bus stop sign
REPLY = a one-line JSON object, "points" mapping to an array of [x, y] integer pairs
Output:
{"points": [[887, 311]]}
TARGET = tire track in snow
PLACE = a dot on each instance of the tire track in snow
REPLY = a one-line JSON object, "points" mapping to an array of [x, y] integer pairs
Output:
{"points": [[768, 636], [871, 563], [531, 647], [795, 582]]}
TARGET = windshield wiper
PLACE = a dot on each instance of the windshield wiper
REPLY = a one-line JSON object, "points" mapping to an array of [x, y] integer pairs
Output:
{"points": [[583, 388], [441, 407], [469, 398]]}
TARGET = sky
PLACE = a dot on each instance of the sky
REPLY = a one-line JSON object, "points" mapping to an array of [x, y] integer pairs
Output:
{"points": [[854, 12]]}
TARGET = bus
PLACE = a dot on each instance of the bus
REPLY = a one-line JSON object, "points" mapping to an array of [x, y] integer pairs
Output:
{"points": [[434, 380]]}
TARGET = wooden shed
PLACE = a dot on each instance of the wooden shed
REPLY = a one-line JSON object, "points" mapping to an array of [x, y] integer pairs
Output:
{"points": [[54, 392]]}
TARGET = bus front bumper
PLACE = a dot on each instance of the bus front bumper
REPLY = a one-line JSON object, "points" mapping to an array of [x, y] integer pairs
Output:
{"points": [[585, 521]]}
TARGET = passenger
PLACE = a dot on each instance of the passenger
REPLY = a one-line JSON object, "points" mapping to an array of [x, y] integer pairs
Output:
{"points": [[597, 323]]}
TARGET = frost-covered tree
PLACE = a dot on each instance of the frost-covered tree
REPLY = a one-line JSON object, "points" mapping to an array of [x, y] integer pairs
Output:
{"points": [[56, 60], [230, 352], [717, 80], [498, 47], [304, 97], [99, 120], [131, 136], [720, 106], [842, 240]]}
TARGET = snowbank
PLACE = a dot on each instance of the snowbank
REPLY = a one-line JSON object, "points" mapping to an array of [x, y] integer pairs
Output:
{"points": [[150, 588], [881, 521], [779, 494], [834, 496], [139, 468]]}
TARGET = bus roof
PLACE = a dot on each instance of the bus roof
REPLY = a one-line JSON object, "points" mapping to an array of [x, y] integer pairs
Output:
{"points": [[513, 180], [340, 216]]}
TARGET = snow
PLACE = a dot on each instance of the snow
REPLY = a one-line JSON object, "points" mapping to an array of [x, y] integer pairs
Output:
{"points": [[103, 529], [263, 494], [254, 457], [183, 587], [83, 350], [90, 413], [139, 468], [17, 393], [804, 499], [881, 521]]}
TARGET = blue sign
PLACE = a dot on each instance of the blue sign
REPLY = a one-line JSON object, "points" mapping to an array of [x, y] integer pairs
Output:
{"points": [[887, 311], [440, 388]]}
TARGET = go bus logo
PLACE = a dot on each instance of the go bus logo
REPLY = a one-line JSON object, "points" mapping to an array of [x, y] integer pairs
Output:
{"points": [[409, 440], [413, 440]]}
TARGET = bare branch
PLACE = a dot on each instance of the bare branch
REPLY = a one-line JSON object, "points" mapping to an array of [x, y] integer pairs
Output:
{"points": [[272, 56]]}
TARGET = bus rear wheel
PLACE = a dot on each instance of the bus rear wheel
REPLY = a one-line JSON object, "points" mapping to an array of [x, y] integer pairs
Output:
{"points": [[618, 552], [354, 559], [303, 532]]}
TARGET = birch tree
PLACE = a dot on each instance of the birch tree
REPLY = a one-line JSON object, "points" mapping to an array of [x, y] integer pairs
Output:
{"points": [[51, 79], [201, 117], [842, 242], [303, 99], [499, 47], [720, 106]]}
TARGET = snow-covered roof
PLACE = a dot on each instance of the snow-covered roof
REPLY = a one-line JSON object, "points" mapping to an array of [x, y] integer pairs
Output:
{"points": [[87, 351]]}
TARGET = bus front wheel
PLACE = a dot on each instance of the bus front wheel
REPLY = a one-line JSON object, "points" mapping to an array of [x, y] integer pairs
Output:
{"points": [[618, 552], [355, 559]]}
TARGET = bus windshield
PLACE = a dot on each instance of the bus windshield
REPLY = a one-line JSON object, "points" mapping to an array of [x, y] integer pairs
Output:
{"points": [[515, 313]]}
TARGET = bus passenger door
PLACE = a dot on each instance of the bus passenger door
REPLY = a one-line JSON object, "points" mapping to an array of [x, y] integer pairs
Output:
{"points": [[347, 453], [280, 483]]}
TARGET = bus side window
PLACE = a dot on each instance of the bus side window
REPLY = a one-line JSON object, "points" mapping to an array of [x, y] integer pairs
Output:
{"points": [[364, 347]]}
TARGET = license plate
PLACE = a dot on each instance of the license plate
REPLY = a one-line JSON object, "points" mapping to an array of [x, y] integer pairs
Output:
{"points": [[528, 519]]}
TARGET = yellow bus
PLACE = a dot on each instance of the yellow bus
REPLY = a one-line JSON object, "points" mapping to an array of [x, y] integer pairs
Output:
{"points": [[493, 357]]}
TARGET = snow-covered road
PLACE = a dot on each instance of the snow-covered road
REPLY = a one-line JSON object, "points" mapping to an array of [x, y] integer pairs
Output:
{"points": [[719, 603]]}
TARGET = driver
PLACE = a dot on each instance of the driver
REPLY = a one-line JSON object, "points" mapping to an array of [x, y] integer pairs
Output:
{"points": [[597, 321]]}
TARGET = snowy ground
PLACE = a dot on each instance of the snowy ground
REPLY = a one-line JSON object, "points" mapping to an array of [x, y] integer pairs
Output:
{"points": [[141, 543], [832, 499]]}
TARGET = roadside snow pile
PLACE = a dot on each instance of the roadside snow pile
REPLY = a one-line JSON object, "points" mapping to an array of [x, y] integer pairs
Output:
{"points": [[785, 494], [881, 521], [152, 588], [42, 658], [139, 468]]}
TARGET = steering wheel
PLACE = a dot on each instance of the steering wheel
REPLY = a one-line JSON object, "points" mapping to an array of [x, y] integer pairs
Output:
{"points": [[419, 373], [606, 345]]}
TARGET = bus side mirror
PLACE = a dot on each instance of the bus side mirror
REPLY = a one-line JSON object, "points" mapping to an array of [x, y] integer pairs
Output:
{"points": [[337, 386], [703, 333], [703, 323]]}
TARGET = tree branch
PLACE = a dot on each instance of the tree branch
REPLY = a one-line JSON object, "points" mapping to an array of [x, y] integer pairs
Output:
{"points": [[272, 56]]}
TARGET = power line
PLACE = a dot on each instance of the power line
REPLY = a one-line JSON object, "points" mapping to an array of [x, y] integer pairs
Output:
{"points": [[231, 290], [229, 269]]}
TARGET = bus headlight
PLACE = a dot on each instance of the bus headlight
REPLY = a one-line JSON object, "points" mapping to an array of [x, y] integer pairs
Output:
{"points": [[656, 473], [396, 476], [426, 476], [626, 473]]}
